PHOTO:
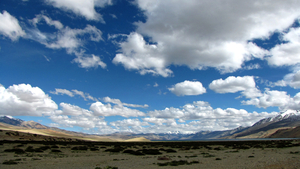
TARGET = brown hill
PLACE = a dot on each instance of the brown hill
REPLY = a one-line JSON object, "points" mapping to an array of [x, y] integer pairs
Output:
{"points": [[287, 133]]}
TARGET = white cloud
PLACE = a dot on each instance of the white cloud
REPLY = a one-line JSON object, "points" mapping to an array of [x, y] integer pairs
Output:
{"points": [[70, 38], [24, 100], [128, 122], [286, 54], [291, 79], [158, 121], [252, 66], [49, 21], [188, 88], [73, 110], [137, 55], [9, 26], [87, 122], [202, 34], [204, 118], [89, 62], [85, 96], [62, 92], [275, 98], [101, 109], [233, 84], [84, 8], [118, 102]]}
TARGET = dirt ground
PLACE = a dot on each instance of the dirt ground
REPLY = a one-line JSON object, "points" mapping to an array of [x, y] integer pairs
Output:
{"points": [[121, 155]]}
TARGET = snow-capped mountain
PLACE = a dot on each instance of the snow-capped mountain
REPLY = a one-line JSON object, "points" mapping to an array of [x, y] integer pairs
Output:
{"points": [[177, 132], [288, 114]]}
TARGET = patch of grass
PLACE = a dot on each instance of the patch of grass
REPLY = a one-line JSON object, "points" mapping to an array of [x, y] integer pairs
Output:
{"points": [[55, 151], [150, 151], [191, 156], [171, 151], [10, 162], [163, 158], [233, 151], [94, 149], [177, 163], [80, 148], [15, 150], [114, 150], [133, 152], [217, 148]]}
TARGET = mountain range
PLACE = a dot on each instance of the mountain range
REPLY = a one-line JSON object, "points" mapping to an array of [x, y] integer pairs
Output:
{"points": [[284, 125]]}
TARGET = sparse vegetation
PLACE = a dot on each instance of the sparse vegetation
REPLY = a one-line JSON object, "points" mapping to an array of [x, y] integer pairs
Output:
{"points": [[155, 152], [177, 163], [10, 162]]}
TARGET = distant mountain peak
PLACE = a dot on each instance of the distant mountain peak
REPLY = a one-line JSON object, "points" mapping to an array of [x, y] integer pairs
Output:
{"points": [[281, 116], [10, 120]]}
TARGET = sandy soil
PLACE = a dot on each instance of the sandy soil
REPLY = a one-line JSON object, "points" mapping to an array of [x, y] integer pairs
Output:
{"points": [[196, 154]]}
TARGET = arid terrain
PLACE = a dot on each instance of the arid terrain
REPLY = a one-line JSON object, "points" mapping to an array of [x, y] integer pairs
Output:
{"points": [[37, 151]]}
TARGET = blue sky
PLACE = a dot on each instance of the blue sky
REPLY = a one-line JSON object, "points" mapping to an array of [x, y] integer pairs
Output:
{"points": [[145, 66]]}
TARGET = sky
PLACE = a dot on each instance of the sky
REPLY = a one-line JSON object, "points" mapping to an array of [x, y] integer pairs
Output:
{"points": [[148, 66]]}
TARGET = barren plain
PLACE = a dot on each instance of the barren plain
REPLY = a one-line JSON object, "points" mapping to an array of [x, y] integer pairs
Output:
{"points": [[35, 151]]}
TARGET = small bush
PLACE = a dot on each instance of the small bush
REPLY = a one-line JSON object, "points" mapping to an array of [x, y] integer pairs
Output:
{"points": [[163, 158], [171, 151], [55, 151], [9, 162], [94, 149], [15, 150], [133, 152], [79, 148]]}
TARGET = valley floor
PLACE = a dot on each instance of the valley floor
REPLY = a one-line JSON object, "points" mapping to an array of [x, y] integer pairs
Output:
{"points": [[94, 155]]}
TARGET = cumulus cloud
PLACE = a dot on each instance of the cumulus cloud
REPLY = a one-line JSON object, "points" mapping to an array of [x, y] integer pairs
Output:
{"points": [[138, 55], [286, 54], [201, 34], [73, 110], [128, 122], [291, 79], [188, 88], [159, 121], [232, 84], [118, 102], [87, 122], [101, 109], [85, 8], [203, 117], [89, 62], [25, 100], [275, 98], [9, 26]]}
